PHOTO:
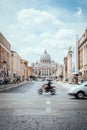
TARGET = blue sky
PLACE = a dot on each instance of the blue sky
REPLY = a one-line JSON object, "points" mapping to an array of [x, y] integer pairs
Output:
{"points": [[32, 26]]}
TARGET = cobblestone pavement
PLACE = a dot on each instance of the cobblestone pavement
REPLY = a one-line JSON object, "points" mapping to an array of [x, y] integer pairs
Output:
{"points": [[62, 120], [23, 109]]}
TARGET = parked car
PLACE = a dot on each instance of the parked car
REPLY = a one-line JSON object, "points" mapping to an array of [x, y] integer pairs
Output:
{"points": [[4, 81], [82, 81], [1, 81], [79, 91]]}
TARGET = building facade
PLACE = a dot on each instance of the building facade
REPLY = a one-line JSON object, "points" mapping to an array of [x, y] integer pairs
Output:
{"points": [[12, 65], [81, 56], [67, 67], [19, 67], [45, 67], [5, 57], [29, 71]]}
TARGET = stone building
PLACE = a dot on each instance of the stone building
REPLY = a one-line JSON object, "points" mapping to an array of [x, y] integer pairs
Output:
{"points": [[81, 56], [45, 67], [5, 56], [29, 71], [19, 67], [67, 67]]}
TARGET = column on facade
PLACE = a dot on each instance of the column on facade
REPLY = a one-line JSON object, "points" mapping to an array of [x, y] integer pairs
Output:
{"points": [[48, 71], [37, 71], [51, 72], [64, 73], [71, 69], [86, 53], [85, 61], [41, 72], [55, 71], [77, 54], [83, 56], [12, 68]]}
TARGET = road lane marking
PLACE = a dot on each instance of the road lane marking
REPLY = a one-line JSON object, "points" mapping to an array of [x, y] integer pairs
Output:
{"points": [[48, 109], [48, 102], [48, 105], [20, 103]]}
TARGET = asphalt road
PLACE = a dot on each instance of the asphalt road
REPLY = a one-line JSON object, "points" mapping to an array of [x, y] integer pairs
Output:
{"points": [[23, 108]]}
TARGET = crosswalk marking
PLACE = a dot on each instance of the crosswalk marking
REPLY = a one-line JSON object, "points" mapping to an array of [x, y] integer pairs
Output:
{"points": [[48, 105], [48, 102], [48, 109]]}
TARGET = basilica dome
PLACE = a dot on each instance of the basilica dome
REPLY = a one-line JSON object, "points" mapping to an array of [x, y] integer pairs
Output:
{"points": [[45, 58]]}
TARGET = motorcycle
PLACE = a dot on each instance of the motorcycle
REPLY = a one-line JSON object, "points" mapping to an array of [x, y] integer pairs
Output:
{"points": [[45, 88]]}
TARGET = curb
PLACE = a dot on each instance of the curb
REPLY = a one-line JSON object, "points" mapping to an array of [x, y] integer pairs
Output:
{"points": [[12, 86]]}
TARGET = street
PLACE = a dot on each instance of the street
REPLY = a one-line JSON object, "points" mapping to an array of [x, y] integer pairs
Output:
{"points": [[22, 108]]}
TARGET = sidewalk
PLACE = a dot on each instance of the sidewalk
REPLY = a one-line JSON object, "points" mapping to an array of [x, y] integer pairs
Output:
{"points": [[8, 86], [66, 85]]}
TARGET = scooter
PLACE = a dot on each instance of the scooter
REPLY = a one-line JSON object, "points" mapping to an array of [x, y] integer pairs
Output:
{"points": [[45, 88]]}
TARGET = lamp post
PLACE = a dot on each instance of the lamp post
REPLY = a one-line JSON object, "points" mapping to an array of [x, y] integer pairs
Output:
{"points": [[4, 68]]}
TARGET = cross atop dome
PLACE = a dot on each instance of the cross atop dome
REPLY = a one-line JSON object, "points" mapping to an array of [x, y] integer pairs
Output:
{"points": [[45, 51]]}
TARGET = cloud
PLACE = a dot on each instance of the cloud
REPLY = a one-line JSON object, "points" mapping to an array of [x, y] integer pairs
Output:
{"points": [[36, 17], [79, 12], [54, 35], [58, 39], [32, 45]]}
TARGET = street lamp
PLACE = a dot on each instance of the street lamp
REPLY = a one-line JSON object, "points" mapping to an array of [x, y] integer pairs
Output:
{"points": [[4, 68]]}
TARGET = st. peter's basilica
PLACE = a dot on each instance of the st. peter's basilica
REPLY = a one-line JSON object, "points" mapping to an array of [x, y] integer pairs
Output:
{"points": [[45, 67]]}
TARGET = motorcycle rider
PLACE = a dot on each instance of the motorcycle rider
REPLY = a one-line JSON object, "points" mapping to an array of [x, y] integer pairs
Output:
{"points": [[47, 88], [49, 85]]}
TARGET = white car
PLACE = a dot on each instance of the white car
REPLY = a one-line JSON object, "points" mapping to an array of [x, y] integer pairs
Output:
{"points": [[79, 91]]}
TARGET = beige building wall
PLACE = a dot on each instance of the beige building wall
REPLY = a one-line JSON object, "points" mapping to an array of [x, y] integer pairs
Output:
{"points": [[15, 65], [24, 70], [69, 64], [30, 71], [60, 70], [11, 63], [67, 68], [5, 55], [82, 56], [19, 67]]}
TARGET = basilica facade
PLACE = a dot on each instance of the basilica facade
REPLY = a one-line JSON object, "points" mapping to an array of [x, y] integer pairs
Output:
{"points": [[45, 67]]}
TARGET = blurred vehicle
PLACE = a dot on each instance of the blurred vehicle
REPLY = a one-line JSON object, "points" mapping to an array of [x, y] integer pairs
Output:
{"points": [[82, 81], [47, 88], [79, 91], [1, 81], [4, 81]]}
